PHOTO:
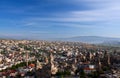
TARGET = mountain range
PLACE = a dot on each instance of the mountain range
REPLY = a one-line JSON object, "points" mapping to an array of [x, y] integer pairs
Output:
{"points": [[94, 40], [85, 39]]}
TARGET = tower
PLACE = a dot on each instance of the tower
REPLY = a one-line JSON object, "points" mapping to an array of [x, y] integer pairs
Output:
{"points": [[99, 64], [107, 58], [27, 58], [53, 67]]}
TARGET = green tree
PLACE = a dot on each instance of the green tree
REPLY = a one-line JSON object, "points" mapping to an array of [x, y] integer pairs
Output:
{"points": [[82, 74]]}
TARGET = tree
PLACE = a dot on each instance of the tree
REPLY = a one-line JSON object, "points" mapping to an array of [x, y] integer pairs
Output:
{"points": [[82, 74]]}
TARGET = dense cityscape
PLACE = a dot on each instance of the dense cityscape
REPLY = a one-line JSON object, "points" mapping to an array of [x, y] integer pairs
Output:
{"points": [[59, 39], [57, 59]]}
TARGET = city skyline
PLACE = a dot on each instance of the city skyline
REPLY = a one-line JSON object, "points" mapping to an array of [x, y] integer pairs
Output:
{"points": [[44, 19]]}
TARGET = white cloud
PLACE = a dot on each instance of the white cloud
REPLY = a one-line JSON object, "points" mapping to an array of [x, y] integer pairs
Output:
{"points": [[110, 14], [39, 32]]}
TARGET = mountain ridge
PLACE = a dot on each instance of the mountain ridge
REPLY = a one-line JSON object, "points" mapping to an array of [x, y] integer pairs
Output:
{"points": [[92, 39]]}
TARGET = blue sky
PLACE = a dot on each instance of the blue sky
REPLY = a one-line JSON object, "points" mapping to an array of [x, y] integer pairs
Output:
{"points": [[44, 19]]}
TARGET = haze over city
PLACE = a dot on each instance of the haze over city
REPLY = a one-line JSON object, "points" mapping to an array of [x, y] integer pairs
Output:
{"points": [[44, 19]]}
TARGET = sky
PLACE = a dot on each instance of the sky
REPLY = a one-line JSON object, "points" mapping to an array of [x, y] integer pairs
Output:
{"points": [[46, 19]]}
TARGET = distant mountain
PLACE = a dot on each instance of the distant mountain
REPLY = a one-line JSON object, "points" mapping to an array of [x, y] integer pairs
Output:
{"points": [[93, 39], [85, 39], [111, 43]]}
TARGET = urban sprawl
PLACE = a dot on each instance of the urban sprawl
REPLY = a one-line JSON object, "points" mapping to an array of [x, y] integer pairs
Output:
{"points": [[57, 59]]}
